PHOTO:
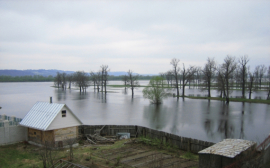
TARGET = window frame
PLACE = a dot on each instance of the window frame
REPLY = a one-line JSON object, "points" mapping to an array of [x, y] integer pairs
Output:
{"points": [[64, 113]]}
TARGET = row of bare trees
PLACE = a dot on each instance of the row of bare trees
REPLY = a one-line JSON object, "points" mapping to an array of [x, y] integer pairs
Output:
{"points": [[179, 77], [79, 78], [100, 78], [232, 74], [83, 80]]}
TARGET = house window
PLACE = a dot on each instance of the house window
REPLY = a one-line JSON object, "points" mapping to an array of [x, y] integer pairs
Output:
{"points": [[35, 133], [64, 113]]}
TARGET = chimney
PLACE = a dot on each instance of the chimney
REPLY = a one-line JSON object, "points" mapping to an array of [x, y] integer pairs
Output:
{"points": [[50, 99]]}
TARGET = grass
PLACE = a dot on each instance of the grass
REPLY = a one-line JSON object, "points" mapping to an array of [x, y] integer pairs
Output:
{"points": [[18, 155], [124, 86], [168, 148], [232, 99], [26, 156], [191, 156]]}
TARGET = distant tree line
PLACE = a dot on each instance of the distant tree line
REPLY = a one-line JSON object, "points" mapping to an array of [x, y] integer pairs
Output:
{"points": [[35, 78], [233, 73], [40, 78]]}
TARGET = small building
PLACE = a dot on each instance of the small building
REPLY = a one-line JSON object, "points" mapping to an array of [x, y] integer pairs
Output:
{"points": [[225, 153], [51, 122]]}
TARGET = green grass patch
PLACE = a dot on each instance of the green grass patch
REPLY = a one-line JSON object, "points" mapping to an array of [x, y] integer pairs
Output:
{"points": [[124, 86], [191, 156], [232, 99], [18, 156]]}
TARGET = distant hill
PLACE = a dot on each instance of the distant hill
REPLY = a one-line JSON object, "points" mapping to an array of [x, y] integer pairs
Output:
{"points": [[31, 72], [52, 72]]}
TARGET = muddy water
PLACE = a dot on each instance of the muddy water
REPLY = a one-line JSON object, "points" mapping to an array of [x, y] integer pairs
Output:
{"points": [[200, 119]]}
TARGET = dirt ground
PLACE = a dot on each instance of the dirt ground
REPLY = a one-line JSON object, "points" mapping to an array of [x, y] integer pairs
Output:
{"points": [[143, 156], [121, 154]]}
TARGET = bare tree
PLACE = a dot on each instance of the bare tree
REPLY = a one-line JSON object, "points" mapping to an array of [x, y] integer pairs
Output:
{"points": [[169, 77], [256, 77], [125, 80], [47, 154], [64, 80], [99, 80], [104, 77], [259, 73], [187, 75], [132, 81], [226, 71], [238, 77], [208, 72], [243, 72], [58, 79], [93, 78], [81, 80], [220, 84], [250, 83], [262, 71], [198, 77], [69, 80], [71, 142], [175, 73]]}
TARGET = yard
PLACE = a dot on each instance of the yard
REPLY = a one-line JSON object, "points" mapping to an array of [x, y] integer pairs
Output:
{"points": [[140, 152]]}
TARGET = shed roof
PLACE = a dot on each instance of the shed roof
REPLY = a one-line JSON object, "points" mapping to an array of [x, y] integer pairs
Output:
{"points": [[228, 147], [42, 114]]}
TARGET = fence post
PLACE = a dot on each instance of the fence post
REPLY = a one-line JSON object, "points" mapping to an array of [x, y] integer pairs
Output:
{"points": [[189, 145], [3, 117], [6, 133]]}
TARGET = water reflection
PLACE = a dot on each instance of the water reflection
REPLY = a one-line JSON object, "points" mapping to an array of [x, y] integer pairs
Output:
{"points": [[125, 91], [174, 128], [225, 126], [60, 94], [242, 133], [156, 115]]}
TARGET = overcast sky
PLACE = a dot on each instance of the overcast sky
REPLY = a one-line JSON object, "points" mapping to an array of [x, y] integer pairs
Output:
{"points": [[139, 35]]}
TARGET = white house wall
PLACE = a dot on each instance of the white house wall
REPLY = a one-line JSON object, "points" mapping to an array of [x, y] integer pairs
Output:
{"points": [[62, 122]]}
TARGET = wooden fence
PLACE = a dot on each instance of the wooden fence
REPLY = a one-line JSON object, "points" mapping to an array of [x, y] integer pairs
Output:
{"points": [[183, 143]]}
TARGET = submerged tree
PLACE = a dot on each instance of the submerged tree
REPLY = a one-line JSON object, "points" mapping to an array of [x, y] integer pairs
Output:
{"points": [[81, 80], [69, 80], [64, 80], [243, 73], [175, 73], [104, 77], [226, 74], [156, 90], [58, 79], [132, 81], [125, 80], [187, 75], [250, 83], [208, 73]]}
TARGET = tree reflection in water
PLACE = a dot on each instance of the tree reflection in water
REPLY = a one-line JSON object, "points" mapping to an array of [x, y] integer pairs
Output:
{"points": [[225, 127], [156, 115]]}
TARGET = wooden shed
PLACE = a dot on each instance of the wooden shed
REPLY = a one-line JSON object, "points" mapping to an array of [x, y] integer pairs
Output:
{"points": [[225, 153], [51, 123]]}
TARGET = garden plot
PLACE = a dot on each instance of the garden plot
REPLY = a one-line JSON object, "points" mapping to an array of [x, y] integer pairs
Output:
{"points": [[143, 157]]}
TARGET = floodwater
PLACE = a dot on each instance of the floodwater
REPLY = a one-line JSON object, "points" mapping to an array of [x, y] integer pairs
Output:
{"points": [[200, 119]]}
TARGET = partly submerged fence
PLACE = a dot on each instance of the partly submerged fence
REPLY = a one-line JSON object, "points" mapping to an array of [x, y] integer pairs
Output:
{"points": [[180, 142]]}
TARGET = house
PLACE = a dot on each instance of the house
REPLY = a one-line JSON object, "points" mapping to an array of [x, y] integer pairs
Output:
{"points": [[51, 123]]}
